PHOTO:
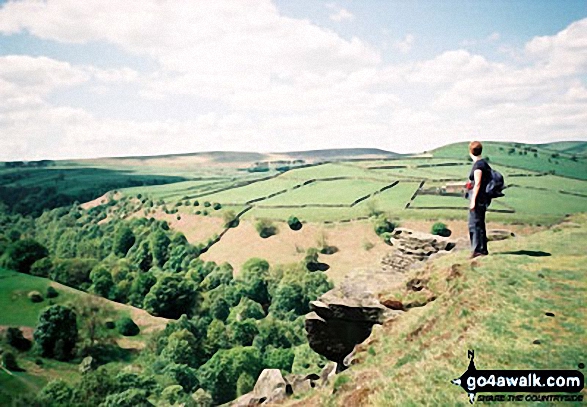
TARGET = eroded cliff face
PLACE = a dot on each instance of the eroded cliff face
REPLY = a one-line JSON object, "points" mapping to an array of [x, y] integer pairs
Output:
{"points": [[344, 317]]}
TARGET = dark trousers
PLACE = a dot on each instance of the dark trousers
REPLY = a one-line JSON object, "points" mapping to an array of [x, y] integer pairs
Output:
{"points": [[477, 229]]}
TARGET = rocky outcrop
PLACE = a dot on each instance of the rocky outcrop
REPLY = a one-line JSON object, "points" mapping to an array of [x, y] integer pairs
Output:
{"points": [[411, 247], [271, 387], [344, 317], [337, 324]]}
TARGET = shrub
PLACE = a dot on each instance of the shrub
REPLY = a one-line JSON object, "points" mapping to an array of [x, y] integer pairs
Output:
{"points": [[217, 206], [42, 267], [440, 229], [384, 225], [15, 338], [265, 228], [207, 204], [127, 327], [205, 212], [178, 217], [230, 219], [198, 212], [367, 245], [109, 324], [9, 361], [196, 203], [35, 296], [294, 223], [51, 292], [22, 254]]}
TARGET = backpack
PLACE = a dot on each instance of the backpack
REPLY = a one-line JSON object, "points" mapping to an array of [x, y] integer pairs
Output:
{"points": [[495, 186]]}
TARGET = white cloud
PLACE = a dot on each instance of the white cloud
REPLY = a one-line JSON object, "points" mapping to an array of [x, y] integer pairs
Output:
{"points": [[404, 46], [342, 15], [274, 83]]}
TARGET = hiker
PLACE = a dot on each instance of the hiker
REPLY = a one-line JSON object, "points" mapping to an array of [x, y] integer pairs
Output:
{"points": [[479, 200]]}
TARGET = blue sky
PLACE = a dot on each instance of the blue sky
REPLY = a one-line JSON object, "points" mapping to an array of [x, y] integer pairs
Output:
{"points": [[112, 78]]}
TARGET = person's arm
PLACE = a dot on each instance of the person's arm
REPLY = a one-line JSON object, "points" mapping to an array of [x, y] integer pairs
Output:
{"points": [[477, 174]]}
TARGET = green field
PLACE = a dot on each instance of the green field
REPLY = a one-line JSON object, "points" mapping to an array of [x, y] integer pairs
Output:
{"points": [[508, 154]]}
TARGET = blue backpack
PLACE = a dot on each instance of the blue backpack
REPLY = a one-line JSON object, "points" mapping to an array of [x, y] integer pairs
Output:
{"points": [[494, 188]]}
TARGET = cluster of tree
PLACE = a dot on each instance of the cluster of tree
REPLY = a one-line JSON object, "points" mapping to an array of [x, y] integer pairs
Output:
{"points": [[228, 328]]}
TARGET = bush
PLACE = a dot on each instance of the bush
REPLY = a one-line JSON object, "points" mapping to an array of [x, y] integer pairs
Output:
{"points": [[15, 338], [42, 267], [109, 324], [217, 206], [265, 228], [384, 225], [294, 223], [35, 296], [204, 212], [9, 361], [207, 204], [127, 327], [196, 203], [230, 219], [51, 292], [440, 229], [22, 254]]}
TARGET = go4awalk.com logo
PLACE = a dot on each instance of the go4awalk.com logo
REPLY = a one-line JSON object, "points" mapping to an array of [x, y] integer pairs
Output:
{"points": [[567, 383]]}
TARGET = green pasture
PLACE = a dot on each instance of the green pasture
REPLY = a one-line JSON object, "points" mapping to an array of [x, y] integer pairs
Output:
{"points": [[331, 170], [552, 182], [17, 309], [536, 202], [339, 192], [252, 191], [499, 155], [391, 200], [177, 190]]}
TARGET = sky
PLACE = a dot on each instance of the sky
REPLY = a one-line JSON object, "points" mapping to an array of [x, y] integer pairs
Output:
{"points": [[82, 79]]}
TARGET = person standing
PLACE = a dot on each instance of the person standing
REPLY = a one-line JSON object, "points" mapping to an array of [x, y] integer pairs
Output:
{"points": [[479, 201]]}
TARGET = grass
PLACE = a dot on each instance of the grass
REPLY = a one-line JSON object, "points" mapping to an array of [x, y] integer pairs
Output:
{"points": [[340, 192], [17, 309], [498, 152], [495, 305]]}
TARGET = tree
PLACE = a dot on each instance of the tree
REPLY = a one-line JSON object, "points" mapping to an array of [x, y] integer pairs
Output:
{"points": [[56, 332], [21, 255], [217, 337], [124, 239], [221, 275], [383, 225], [185, 376], [159, 247], [182, 347], [243, 332], [127, 327], [254, 276], [294, 223], [171, 297], [278, 358], [265, 228], [230, 219], [9, 362], [42, 267], [220, 374], [16, 339], [56, 393], [201, 398], [102, 283], [244, 384], [219, 308], [173, 394], [246, 309], [128, 398]]}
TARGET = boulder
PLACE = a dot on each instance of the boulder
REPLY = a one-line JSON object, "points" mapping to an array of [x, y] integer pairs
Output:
{"points": [[87, 365], [270, 385], [499, 234], [337, 324]]}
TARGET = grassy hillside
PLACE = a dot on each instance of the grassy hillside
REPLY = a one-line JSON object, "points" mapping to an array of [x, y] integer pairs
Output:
{"points": [[568, 147], [525, 156], [19, 311], [496, 305]]}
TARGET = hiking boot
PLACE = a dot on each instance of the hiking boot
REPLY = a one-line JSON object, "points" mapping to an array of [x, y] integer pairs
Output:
{"points": [[476, 254]]}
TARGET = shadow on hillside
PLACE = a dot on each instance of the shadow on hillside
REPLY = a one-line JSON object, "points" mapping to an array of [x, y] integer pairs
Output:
{"points": [[531, 253]]}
